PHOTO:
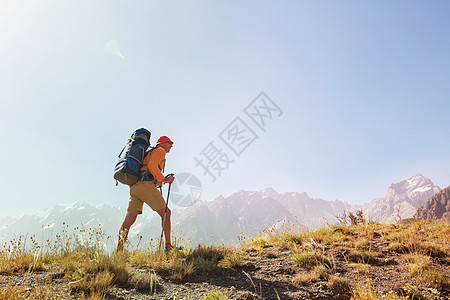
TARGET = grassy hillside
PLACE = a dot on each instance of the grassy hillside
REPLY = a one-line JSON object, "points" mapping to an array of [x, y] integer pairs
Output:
{"points": [[352, 260]]}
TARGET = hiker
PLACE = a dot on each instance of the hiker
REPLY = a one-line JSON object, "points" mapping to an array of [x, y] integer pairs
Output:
{"points": [[146, 190]]}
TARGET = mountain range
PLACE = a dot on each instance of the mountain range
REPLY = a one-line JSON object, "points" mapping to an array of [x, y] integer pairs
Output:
{"points": [[437, 207], [402, 200], [226, 218], [246, 212], [46, 224]]}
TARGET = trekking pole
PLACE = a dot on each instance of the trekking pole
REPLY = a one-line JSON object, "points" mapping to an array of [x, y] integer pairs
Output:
{"points": [[165, 212]]}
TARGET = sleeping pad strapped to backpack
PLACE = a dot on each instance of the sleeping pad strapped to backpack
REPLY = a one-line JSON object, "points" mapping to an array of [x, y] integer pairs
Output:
{"points": [[127, 170]]}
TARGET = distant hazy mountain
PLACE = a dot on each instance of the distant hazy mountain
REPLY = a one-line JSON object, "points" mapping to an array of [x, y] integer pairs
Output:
{"points": [[218, 221], [437, 207], [224, 219], [402, 200], [46, 224], [244, 212], [5, 220]]}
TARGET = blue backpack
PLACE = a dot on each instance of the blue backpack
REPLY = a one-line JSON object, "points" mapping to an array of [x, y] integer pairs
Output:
{"points": [[127, 170]]}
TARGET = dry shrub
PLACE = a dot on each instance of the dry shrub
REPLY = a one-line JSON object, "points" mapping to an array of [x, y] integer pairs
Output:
{"points": [[115, 263], [286, 239], [206, 266], [409, 291], [206, 258], [306, 259], [340, 287], [305, 278], [362, 244], [212, 253], [256, 243], [310, 259], [420, 267], [214, 295], [93, 275], [361, 267], [95, 285], [419, 235], [16, 256], [145, 281], [11, 293], [181, 269], [362, 256], [432, 249], [364, 293], [284, 235], [233, 260], [141, 258], [101, 282]]}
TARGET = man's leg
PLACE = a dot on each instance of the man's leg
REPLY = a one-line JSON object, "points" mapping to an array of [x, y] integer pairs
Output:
{"points": [[166, 227], [130, 218]]}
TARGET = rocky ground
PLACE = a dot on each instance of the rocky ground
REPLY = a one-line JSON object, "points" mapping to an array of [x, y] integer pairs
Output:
{"points": [[268, 274], [356, 262]]}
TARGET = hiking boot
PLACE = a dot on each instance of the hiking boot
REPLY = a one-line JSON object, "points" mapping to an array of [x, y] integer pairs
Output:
{"points": [[170, 247]]}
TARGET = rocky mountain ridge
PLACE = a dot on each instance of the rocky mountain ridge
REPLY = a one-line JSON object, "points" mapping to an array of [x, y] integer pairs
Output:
{"points": [[49, 222], [225, 219], [402, 200], [245, 212], [437, 207]]}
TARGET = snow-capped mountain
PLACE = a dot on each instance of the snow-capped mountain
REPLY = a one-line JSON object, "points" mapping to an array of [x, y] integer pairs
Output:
{"points": [[245, 212], [221, 220], [402, 200], [46, 224], [5, 220], [224, 219], [437, 207]]}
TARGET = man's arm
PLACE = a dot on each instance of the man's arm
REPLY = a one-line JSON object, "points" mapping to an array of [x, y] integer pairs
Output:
{"points": [[156, 158]]}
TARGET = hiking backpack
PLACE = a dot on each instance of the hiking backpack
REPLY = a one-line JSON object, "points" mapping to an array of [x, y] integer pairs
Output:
{"points": [[127, 170]]}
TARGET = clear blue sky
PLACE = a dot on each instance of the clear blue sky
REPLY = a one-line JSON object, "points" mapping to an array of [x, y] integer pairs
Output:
{"points": [[363, 87]]}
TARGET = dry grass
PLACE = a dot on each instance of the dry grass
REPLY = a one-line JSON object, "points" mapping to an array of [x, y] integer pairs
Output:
{"points": [[366, 292], [233, 260], [145, 281], [340, 286], [181, 269], [307, 259], [90, 272], [214, 295], [340, 235], [421, 242], [319, 272], [421, 268], [286, 236], [206, 259], [305, 278], [420, 236], [94, 275], [361, 268], [15, 293], [17, 256], [408, 291], [362, 256]]}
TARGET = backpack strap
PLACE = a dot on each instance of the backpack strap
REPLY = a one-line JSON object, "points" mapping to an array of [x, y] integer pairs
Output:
{"points": [[145, 174]]}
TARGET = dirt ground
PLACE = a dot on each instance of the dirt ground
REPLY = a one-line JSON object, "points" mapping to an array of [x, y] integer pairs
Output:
{"points": [[268, 274]]}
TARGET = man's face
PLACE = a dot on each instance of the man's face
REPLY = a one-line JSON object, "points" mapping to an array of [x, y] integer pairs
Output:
{"points": [[166, 146]]}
